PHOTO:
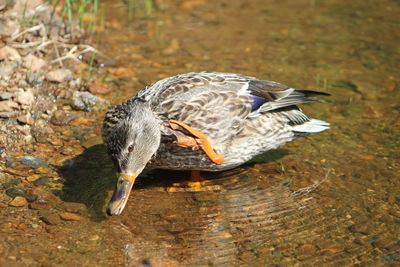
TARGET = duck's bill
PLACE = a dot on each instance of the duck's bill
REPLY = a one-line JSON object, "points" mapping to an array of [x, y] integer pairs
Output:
{"points": [[121, 194]]}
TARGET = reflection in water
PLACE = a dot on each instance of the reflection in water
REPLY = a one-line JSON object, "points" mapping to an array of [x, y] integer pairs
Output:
{"points": [[235, 219]]}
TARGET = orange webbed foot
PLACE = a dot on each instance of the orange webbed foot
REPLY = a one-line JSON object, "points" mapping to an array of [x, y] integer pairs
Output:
{"points": [[195, 183]]}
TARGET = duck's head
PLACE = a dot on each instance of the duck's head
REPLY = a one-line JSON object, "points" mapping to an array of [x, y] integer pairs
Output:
{"points": [[131, 142]]}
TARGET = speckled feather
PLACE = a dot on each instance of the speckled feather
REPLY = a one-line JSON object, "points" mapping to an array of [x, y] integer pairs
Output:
{"points": [[241, 116]]}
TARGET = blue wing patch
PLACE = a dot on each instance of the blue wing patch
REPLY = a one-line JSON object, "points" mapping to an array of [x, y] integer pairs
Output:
{"points": [[257, 102]]}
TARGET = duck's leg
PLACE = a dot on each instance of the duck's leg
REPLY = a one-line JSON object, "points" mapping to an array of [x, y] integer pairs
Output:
{"points": [[194, 184], [200, 139]]}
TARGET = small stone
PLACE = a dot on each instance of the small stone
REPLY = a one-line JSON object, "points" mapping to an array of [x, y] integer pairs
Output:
{"points": [[51, 219], [34, 63], [68, 216], [74, 207], [11, 162], [21, 226], [22, 83], [39, 206], [6, 96], [18, 202], [41, 181], [6, 71], [15, 192], [33, 162], [334, 248], [26, 119], [25, 129], [60, 75], [25, 98], [86, 101], [8, 105], [61, 117], [99, 88], [33, 77], [9, 53], [307, 249], [94, 238], [8, 26], [362, 228], [8, 114]]}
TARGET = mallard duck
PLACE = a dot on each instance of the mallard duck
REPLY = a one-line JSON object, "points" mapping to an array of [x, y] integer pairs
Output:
{"points": [[201, 121]]}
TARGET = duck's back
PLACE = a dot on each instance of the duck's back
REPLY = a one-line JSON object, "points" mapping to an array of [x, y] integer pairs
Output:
{"points": [[241, 116]]}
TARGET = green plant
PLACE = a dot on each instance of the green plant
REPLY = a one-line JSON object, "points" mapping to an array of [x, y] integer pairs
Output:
{"points": [[78, 10]]}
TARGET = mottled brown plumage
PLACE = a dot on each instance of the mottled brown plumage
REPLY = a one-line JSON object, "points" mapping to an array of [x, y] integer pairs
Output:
{"points": [[241, 116]]}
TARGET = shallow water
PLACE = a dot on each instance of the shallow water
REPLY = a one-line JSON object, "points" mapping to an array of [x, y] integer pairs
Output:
{"points": [[270, 213], [332, 198]]}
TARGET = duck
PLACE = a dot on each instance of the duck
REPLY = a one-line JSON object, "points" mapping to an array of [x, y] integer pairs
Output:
{"points": [[202, 121]]}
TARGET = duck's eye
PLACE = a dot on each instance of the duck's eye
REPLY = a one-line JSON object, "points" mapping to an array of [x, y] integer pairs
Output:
{"points": [[130, 148]]}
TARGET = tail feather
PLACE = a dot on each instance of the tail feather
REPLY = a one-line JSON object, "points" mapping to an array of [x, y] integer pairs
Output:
{"points": [[311, 126]]}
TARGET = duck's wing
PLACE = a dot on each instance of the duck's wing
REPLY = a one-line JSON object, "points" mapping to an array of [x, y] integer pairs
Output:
{"points": [[217, 103]]}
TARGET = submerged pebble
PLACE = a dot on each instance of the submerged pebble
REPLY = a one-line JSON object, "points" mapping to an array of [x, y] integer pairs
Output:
{"points": [[51, 219], [14, 192], [18, 202], [41, 181], [33, 162], [68, 216], [61, 118]]}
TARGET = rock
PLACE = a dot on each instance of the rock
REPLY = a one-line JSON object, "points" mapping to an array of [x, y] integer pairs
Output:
{"points": [[307, 249], [6, 71], [60, 75], [8, 27], [11, 162], [384, 243], [3, 178], [6, 96], [33, 162], [25, 98], [363, 228], [51, 219], [9, 53], [24, 129], [8, 114], [15, 192], [33, 78], [61, 117], [34, 63], [18, 202], [8, 105], [86, 101], [333, 248], [41, 181], [68, 216], [22, 83], [39, 206], [100, 88], [26, 119], [74, 207]]}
